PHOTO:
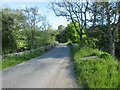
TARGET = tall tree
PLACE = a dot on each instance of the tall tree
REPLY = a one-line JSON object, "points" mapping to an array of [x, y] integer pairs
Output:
{"points": [[8, 40], [33, 17], [106, 13], [111, 11], [73, 11]]}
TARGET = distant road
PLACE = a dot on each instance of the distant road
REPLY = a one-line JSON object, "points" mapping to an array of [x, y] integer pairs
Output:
{"points": [[51, 70]]}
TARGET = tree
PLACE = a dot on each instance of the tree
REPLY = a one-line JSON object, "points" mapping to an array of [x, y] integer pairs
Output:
{"points": [[45, 23], [33, 18], [20, 30], [12, 23], [60, 37], [107, 15], [61, 28], [8, 40], [73, 11], [100, 13], [111, 11], [69, 34]]}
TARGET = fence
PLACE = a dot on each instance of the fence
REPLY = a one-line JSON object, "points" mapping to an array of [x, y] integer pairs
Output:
{"points": [[42, 49]]}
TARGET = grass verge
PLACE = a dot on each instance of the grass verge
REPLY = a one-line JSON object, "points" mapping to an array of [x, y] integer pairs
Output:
{"points": [[101, 72], [17, 59]]}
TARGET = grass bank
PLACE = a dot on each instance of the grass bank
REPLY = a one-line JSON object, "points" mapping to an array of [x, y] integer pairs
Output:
{"points": [[99, 72], [17, 59]]}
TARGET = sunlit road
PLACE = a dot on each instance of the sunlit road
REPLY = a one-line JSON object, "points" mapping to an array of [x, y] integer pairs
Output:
{"points": [[51, 70]]}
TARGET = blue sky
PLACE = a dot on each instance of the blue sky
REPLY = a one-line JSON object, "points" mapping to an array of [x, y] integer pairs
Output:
{"points": [[43, 9]]}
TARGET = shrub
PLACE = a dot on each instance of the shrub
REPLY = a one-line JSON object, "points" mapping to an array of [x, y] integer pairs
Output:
{"points": [[98, 73], [89, 42], [106, 56]]}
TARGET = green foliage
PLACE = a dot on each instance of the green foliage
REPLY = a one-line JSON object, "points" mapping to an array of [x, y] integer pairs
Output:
{"points": [[69, 34], [16, 59], [106, 56], [8, 40], [84, 52], [101, 34], [51, 36], [97, 72], [61, 37], [89, 42], [19, 35], [12, 23]]}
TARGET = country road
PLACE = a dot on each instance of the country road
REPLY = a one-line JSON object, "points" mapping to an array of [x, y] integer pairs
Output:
{"points": [[50, 70]]}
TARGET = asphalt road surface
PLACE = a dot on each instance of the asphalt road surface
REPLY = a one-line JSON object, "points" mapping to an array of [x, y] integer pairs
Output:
{"points": [[50, 70]]}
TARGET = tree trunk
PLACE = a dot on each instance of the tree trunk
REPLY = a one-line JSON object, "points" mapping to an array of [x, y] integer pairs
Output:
{"points": [[112, 43], [111, 40], [95, 14]]}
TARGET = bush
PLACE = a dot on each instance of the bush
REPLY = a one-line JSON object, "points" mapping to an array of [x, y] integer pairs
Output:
{"points": [[84, 52], [95, 73], [106, 56], [89, 42]]}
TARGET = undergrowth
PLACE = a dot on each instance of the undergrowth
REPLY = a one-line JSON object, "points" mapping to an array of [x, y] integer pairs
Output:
{"points": [[101, 72]]}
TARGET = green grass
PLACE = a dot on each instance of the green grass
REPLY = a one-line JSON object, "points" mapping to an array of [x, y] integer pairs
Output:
{"points": [[16, 59], [101, 72]]}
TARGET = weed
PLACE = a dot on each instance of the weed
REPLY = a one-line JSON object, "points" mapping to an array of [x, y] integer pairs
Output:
{"points": [[102, 72]]}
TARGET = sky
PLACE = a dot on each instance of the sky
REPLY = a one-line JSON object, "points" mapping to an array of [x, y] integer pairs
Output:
{"points": [[43, 9]]}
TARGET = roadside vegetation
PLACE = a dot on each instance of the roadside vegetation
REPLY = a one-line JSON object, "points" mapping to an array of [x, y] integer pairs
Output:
{"points": [[12, 60], [94, 33], [24, 30], [99, 72]]}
